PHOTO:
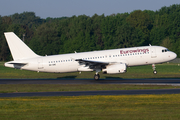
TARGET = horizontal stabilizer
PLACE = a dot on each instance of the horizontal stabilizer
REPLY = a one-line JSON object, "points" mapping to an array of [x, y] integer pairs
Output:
{"points": [[15, 64]]}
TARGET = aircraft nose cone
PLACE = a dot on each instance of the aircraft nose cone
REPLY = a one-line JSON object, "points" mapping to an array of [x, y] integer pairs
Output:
{"points": [[175, 55]]}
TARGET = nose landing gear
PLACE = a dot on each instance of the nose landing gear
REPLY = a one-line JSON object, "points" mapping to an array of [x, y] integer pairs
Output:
{"points": [[154, 69]]}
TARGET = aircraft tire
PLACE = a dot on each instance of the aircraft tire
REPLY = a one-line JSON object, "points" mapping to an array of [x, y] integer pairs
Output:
{"points": [[155, 72], [96, 77]]}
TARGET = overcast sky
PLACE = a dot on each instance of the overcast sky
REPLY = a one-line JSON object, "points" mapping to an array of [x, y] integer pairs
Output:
{"points": [[60, 8]]}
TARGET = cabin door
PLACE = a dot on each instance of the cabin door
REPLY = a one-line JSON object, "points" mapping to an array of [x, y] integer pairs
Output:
{"points": [[153, 53], [40, 63]]}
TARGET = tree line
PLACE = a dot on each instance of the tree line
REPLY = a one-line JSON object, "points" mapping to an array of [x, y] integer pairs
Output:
{"points": [[83, 33]]}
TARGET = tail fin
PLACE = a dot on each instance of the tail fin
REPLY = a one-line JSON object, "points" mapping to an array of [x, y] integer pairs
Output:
{"points": [[18, 48]]}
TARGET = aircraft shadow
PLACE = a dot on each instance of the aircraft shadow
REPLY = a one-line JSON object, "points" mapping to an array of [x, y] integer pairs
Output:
{"points": [[113, 78], [68, 77]]}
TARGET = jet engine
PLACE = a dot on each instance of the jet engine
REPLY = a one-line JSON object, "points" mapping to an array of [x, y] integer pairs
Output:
{"points": [[115, 68]]}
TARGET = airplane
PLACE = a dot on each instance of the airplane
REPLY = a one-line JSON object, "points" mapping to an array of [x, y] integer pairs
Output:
{"points": [[112, 61]]}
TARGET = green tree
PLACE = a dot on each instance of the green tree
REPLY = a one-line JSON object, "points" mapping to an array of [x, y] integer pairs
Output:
{"points": [[140, 19]]}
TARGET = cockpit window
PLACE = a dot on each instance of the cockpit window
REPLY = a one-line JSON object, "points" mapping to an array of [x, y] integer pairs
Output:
{"points": [[165, 50]]}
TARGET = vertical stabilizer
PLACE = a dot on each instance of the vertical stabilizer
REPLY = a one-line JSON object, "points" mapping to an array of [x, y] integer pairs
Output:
{"points": [[18, 48]]}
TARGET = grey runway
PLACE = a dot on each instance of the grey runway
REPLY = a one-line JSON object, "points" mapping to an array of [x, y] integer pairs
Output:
{"points": [[81, 93], [91, 81]]}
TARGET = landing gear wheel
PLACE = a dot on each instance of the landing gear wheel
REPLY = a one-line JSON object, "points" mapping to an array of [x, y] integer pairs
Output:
{"points": [[96, 77], [155, 72], [154, 69]]}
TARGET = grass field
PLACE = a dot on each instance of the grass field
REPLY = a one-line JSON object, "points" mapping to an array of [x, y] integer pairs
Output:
{"points": [[125, 107]]}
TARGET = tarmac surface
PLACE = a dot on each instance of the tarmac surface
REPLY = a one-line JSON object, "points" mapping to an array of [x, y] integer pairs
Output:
{"points": [[153, 81], [80, 93], [156, 81]]}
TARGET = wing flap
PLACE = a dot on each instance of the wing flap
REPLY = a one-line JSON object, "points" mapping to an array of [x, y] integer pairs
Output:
{"points": [[93, 64]]}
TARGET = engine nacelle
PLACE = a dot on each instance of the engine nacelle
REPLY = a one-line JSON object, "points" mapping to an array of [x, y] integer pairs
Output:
{"points": [[115, 68], [83, 68]]}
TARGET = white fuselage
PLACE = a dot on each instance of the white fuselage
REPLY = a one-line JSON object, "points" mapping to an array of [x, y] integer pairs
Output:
{"points": [[66, 62]]}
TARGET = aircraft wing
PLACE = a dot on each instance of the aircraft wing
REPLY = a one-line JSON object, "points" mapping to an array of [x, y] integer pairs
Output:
{"points": [[93, 64]]}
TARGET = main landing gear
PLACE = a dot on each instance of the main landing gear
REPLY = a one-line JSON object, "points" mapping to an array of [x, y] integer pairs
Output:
{"points": [[154, 67], [97, 76]]}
